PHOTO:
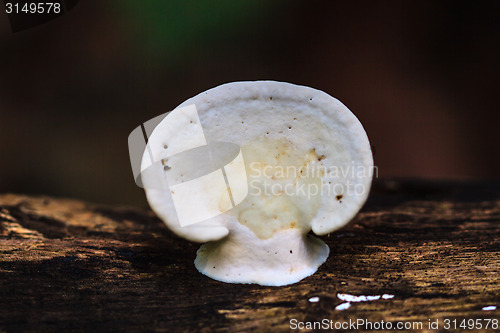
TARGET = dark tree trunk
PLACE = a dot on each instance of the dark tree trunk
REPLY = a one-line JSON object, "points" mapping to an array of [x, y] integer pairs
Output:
{"points": [[69, 265]]}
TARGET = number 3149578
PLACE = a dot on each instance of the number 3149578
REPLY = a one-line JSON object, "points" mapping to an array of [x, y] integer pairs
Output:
{"points": [[33, 8]]}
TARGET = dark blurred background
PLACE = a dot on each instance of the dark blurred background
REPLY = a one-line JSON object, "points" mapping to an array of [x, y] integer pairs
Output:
{"points": [[423, 78]]}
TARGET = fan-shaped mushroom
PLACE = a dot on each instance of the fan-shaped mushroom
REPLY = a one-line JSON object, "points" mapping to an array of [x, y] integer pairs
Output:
{"points": [[308, 167]]}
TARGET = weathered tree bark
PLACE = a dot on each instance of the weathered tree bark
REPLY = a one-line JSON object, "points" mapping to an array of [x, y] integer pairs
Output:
{"points": [[69, 265]]}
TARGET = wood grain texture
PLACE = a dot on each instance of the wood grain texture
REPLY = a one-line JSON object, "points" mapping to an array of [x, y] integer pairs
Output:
{"points": [[68, 265]]}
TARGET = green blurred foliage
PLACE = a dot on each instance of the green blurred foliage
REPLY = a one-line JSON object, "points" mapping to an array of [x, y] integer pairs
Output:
{"points": [[171, 30]]}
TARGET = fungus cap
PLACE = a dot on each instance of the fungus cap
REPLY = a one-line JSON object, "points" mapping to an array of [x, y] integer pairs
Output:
{"points": [[308, 166]]}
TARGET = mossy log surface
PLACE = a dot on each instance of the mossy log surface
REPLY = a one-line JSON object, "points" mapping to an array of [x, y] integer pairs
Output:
{"points": [[68, 265]]}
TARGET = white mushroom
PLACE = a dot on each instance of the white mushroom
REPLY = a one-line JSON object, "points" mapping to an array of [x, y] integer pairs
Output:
{"points": [[308, 167]]}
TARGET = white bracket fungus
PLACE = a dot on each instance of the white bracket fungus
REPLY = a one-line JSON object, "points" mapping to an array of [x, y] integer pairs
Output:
{"points": [[307, 164]]}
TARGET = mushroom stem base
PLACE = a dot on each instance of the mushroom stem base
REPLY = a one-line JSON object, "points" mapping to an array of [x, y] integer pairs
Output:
{"points": [[242, 257]]}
